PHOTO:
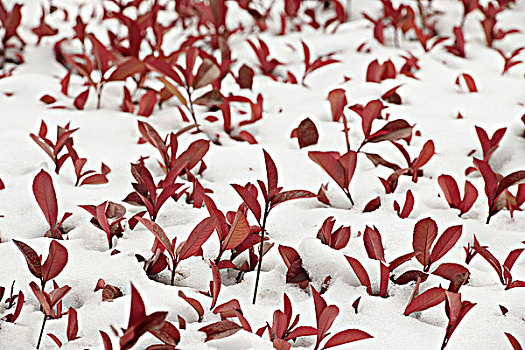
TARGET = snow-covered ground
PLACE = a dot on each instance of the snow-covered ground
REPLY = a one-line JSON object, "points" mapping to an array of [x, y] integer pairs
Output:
{"points": [[431, 103]]}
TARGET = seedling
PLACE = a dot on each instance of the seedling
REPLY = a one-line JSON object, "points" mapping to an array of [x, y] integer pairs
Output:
{"points": [[273, 196], [101, 215], [53, 149], [186, 249]]}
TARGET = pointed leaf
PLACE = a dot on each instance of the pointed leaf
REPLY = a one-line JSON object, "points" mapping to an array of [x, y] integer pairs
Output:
{"points": [[426, 300], [55, 262], [425, 232], [373, 244], [345, 337], [45, 196], [32, 259], [197, 237]]}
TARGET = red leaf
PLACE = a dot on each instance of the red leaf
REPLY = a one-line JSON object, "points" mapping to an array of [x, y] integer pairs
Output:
{"points": [[361, 273], [445, 242], [407, 208], [147, 103], [271, 174], [450, 190], [55, 262], [250, 199], [426, 153], [80, 100], [338, 102], [512, 257], [425, 232], [383, 285], [513, 341], [289, 195], [455, 273], [325, 321], [19, 303], [159, 234], [95, 179], [106, 341], [168, 334], [48, 99], [72, 324], [137, 311], [219, 330], [238, 232], [469, 81], [33, 261], [246, 136], [374, 204], [469, 197], [194, 303], [55, 339], [330, 164], [426, 300], [411, 276], [307, 133], [374, 244], [197, 237], [345, 337], [45, 196]]}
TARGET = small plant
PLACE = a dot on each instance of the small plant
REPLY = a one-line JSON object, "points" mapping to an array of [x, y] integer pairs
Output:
{"points": [[45, 196], [55, 262], [376, 72], [458, 48], [283, 329], [496, 185], [510, 61], [296, 272], [88, 177], [325, 315], [454, 308], [337, 239], [146, 191], [266, 65], [341, 168], [503, 270], [72, 328], [53, 149], [186, 249], [10, 301], [141, 323], [425, 233], [101, 215], [451, 191], [273, 196], [407, 208], [48, 301]]}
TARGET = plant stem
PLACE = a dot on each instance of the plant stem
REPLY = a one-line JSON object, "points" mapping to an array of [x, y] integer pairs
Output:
{"points": [[41, 332], [348, 195], [99, 95], [192, 110], [263, 230], [346, 129], [173, 272]]}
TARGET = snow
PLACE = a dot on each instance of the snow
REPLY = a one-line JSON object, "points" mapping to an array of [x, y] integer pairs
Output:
{"points": [[108, 135]]}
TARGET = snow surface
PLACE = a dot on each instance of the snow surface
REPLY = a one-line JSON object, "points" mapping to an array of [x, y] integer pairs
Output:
{"points": [[431, 103]]}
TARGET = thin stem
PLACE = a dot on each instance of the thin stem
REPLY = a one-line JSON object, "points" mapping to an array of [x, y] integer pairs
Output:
{"points": [[263, 230], [396, 37], [348, 195], [99, 95], [361, 146], [173, 272], [11, 299], [346, 130], [192, 110], [41, 332]]}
